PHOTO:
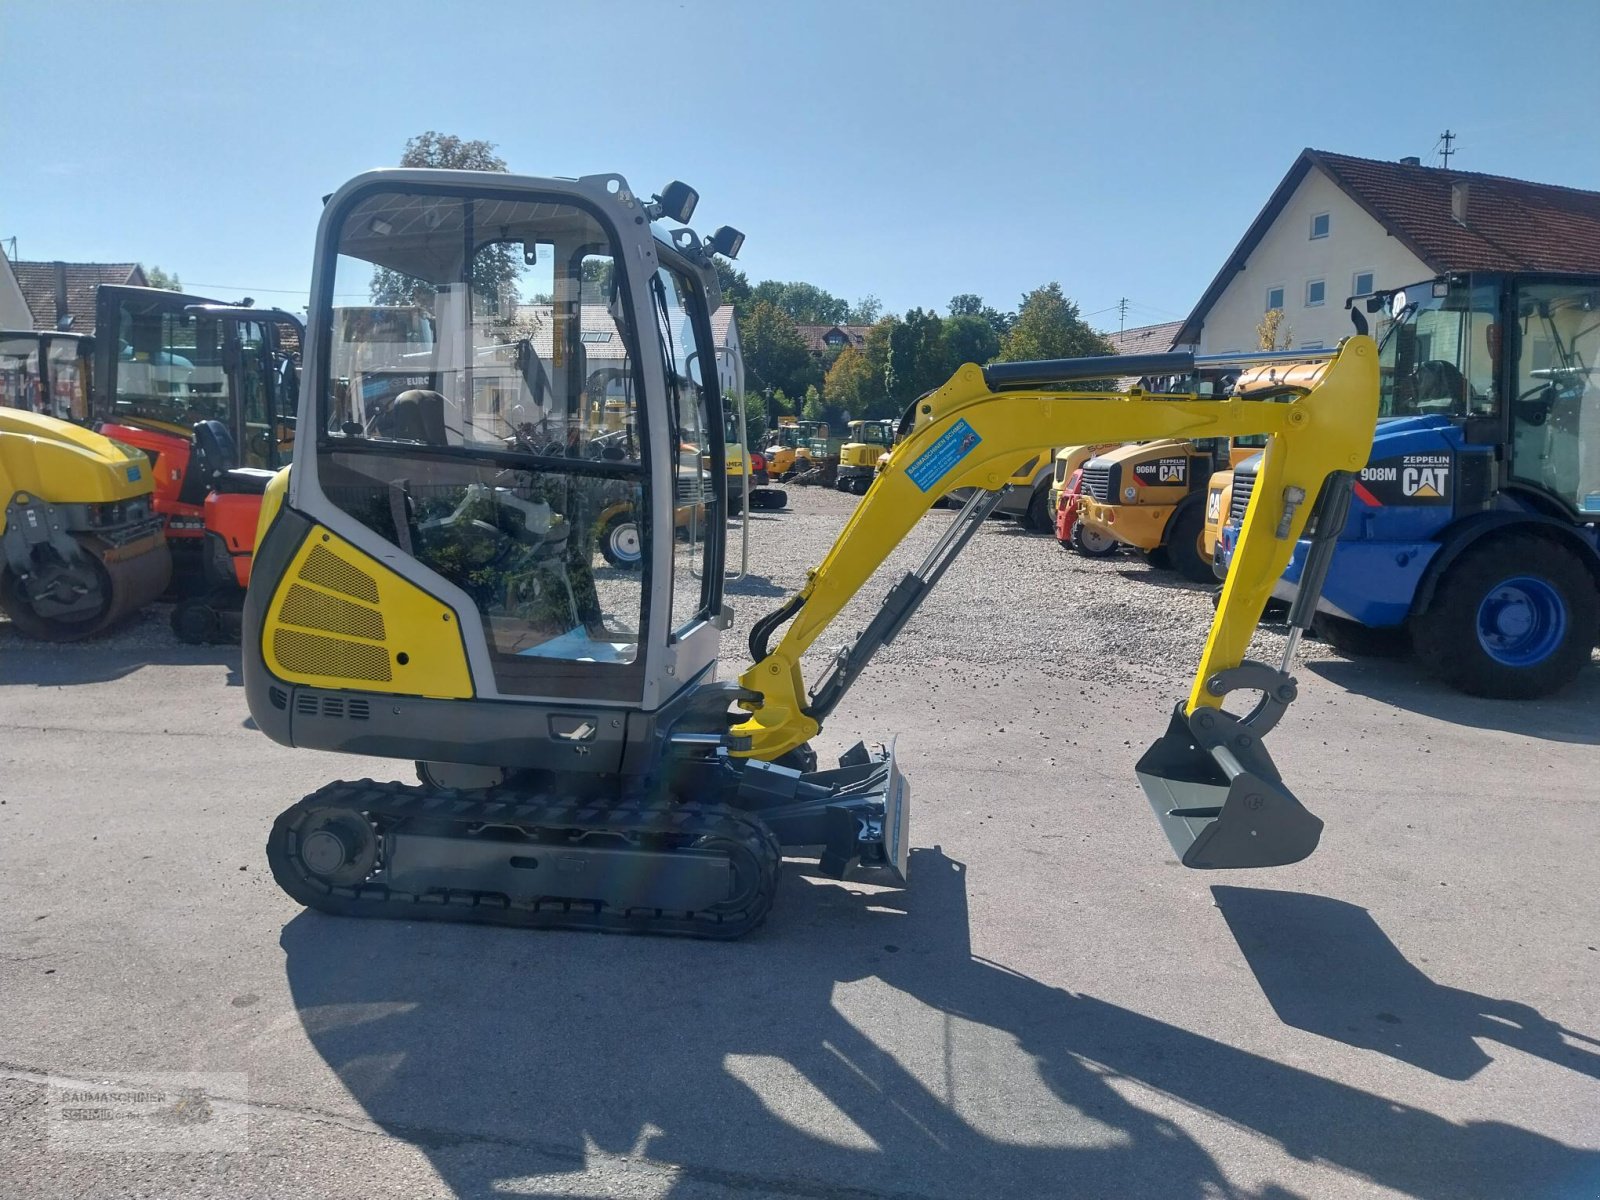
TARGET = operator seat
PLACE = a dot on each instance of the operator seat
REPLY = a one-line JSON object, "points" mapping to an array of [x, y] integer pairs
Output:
{"points": [[418, 416], [213, 466]]}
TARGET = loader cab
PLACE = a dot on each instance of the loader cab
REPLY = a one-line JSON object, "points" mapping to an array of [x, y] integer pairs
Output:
{"points": [[166, 362], [1510, 361], [487, 490], [46, 372]]}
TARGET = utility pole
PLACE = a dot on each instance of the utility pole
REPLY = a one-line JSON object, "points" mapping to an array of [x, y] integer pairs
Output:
{"points": [[1122, 315], [1445, 151]]}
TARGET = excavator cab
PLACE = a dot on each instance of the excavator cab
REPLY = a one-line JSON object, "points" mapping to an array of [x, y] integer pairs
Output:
{"points": [[431, 579]]}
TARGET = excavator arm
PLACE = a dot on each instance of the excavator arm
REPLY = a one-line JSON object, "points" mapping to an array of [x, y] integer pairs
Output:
{"points": [[1216, 792]]}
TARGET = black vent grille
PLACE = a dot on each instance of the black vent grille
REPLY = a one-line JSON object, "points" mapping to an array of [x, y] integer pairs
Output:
{"points": [[333, 707], [1096, 483], [1243, 485], [279, 698]]}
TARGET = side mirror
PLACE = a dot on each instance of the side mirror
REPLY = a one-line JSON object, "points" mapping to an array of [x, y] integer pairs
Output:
{"points": [[726, 241], [677, 201]]}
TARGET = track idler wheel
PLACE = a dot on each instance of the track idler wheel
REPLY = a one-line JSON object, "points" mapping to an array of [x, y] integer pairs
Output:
{"points": [[314, 850]]}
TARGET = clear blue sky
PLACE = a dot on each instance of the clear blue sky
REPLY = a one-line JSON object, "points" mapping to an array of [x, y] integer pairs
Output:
{"points": [[910, 149]]}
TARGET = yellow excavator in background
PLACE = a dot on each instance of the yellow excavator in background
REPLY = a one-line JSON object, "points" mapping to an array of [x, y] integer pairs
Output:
{"points": [[441, 596], [858, 457], [81, 546]]}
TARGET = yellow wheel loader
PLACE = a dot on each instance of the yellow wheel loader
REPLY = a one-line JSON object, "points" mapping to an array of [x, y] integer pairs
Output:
{"points": [[442, 597], [80, 544], [1154, 497]]}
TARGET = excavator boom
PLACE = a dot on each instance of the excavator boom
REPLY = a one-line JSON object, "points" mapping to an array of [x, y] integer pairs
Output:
{"points": [[972, 434]]}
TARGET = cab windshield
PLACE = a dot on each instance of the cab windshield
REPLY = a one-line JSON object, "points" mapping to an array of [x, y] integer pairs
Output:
{"points": [[481, 404], [1437, 354]]}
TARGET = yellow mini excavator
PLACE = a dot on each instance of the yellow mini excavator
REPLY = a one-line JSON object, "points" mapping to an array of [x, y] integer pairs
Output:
{"points": [[80, 544], [435, 590]]}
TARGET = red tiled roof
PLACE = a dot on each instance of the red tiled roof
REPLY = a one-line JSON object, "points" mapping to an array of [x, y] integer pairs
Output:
{"points": [[1511, 224], [816, 336], [1144, 339], [38, 283]]}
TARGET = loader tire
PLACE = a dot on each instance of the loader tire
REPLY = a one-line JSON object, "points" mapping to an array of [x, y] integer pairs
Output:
{"points": [[620, 544], [1185, 552], [1514, 617], [1039, 518], [1093, 543]]}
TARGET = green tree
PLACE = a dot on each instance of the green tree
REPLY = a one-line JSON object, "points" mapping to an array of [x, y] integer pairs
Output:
{"points": [[864, 311], [813, 408], [495, 269], [969, 305], [850, 386], [157, 278], [1272, 333], [1048, 325], [735, 284], [968, 339], [916, 356], [806, 303], [774, 352]]}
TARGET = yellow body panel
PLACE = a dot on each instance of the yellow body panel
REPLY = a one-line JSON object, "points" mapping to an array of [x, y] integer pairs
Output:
{"points": [[59, 461], [339, 618], [271, 502], [1219, 498], [968, 436], [1142, 521], [1142, 526]]}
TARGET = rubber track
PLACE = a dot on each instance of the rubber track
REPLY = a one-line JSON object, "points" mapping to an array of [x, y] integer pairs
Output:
{"points": [[393, 804]]}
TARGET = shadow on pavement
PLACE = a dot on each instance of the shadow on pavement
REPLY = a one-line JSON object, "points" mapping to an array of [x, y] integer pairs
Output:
{"points": [[46, 664], [1326, 967], [754, 585], [1567, 716], [1160, 577], [499, 1052]]}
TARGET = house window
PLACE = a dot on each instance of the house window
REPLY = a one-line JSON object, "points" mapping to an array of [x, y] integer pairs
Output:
{"points": [[1316, 292], [1362, 284], [1274, 298], [1320, 225]]}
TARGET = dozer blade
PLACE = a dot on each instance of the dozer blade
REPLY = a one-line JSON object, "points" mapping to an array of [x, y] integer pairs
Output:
{"points": [[1220, 801]]}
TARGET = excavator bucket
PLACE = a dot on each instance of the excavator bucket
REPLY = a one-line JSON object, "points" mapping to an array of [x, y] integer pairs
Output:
{"points": [[1219, 799]]}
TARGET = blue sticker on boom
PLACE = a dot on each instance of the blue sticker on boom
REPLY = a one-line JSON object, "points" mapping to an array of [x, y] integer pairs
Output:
{"points": [[133, 474], [937, 461]]}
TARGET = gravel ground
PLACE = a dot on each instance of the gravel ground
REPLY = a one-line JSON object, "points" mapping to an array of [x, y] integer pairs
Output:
{"points": [[1013, 597]]}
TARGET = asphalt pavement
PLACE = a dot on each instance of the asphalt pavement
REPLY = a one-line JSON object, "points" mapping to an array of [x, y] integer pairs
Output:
{"points": [[1052, 1007]]}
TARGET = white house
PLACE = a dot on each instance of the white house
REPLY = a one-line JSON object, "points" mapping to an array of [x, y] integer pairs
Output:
{"points": [[1339, 226], [14, 312]]}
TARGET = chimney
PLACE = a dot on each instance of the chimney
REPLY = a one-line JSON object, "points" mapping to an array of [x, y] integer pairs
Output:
{"points": [[63, 314], [1458, 202], [1411, 160]]}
